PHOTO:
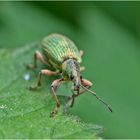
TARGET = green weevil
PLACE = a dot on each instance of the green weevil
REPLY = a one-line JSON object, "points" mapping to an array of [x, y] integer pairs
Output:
{"points": [[63, 56]]}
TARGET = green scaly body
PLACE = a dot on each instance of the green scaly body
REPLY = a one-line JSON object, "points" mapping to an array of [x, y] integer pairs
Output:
{"points": [[63, 56], [59, 48]]}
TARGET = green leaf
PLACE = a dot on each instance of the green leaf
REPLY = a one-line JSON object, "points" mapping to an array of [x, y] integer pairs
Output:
{"points": [[24, 113]]}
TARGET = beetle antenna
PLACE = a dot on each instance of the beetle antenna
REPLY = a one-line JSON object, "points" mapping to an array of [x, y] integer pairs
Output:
{"points": [[93, 93]]}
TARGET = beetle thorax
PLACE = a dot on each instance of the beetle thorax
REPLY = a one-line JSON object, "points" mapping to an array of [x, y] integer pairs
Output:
{"points": [[70, 68]]}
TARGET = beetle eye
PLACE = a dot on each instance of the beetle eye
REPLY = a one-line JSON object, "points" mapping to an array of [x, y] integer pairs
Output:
{"points": [[71, 77]]}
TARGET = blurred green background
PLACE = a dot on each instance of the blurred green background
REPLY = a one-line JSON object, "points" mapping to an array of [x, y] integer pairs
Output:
{"points": [[109, 34]]}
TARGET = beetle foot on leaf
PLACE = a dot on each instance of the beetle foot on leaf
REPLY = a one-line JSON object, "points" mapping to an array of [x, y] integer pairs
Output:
{"points": [[30, 66], [33, 87], [70, 101], [53, 113]]}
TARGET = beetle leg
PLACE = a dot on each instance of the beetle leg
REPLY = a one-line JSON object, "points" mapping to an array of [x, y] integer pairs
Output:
{"points": [[42, 72], [40, 57], [86, 84], [82, 68], [72, 98], [54, 87], [81, 53]]}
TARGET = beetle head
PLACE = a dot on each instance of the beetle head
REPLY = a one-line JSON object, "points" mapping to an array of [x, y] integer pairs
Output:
{"points": [[71, 70], [75, 78]]}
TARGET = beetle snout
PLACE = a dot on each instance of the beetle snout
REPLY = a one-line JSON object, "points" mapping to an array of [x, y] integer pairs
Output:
{"points": [[76, 87]]}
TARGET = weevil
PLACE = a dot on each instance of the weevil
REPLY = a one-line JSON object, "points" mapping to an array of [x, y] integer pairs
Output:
{"points": [[63, 56]]}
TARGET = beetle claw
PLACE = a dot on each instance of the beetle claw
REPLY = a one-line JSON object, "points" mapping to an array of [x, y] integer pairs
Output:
{"points": [[53, 113]]}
